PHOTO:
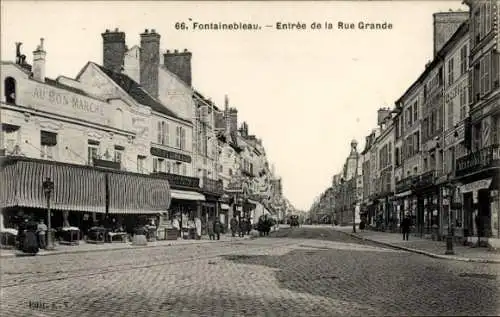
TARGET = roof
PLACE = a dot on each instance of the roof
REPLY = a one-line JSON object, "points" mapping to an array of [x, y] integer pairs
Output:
{"points": [[55, 83], [461, 30], [138, 93]]}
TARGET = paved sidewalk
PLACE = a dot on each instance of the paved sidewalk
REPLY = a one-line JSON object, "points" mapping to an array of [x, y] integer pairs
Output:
{"points": [[89, 247], [427, 247]]}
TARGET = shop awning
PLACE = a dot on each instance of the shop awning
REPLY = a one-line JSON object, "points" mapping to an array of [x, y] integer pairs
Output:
{"points": [[187, 195], [224, 206], [403, 194], [77, 188], [137, 194]]}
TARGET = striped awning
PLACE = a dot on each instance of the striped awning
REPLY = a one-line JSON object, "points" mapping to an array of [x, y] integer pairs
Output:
{"points": [[187, 195], [78, 188], [137, 194]]}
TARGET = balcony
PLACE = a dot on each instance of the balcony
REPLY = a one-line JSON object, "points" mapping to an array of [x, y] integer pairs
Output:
{"points": [[180, 181], [485, 158], [213, 186], [427, 179]]}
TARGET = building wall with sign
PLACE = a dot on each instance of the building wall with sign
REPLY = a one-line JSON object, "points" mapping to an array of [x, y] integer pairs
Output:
{"points": [[70, 115], [456, 99]]}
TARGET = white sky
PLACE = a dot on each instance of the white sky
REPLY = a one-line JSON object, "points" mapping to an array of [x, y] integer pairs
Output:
{"points": [[307, 94]]}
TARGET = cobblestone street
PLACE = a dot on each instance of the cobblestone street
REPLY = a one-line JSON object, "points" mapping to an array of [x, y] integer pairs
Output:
{"points": [[295, 272]]}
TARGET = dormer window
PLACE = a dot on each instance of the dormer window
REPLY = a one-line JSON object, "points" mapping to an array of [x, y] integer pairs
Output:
{"points": [[10, 90]]}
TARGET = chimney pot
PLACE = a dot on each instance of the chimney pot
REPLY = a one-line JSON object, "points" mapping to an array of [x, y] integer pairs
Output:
{"points": [[153, 31], [185, 50], [107, 30], [116, 30], [146, 31], [176, 51], [168, 51]]}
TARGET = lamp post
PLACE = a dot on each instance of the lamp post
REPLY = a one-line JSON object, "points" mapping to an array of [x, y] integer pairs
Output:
{"points": [[355, 193], [449, 236], [48, 187]]}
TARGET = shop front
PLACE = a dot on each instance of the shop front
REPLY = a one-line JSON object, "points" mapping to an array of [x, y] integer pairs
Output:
{"points": [[210, 209], [478, 177], [428, 201], [81, 197]]}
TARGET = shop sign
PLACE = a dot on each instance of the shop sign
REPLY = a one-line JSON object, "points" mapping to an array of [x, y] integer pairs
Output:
{"points": [[475, 186], [65, 99], [170, 155]]}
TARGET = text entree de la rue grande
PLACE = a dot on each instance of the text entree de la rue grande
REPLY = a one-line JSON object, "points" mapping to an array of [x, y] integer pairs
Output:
{"points": [[284, 26]]}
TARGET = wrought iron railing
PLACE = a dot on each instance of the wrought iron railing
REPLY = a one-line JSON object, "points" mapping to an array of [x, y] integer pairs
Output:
{"points": [[484, 158]]}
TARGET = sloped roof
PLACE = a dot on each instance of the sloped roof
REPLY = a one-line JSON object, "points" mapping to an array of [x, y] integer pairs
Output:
{"points": [[138, 93]]}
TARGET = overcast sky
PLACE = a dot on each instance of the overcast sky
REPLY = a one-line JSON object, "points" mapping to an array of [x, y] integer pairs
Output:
{"points": [[306, 93]]}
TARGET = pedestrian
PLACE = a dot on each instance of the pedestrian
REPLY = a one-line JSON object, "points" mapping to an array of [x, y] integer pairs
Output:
{"points": [[249, 226], [234, 226], [211, 229], [405, 227], [242, 227], [197, 223], [42, 230], [217, 228]]}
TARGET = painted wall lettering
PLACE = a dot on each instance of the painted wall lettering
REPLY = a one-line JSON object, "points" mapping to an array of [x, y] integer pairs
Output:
{"points": [[79, 103]]}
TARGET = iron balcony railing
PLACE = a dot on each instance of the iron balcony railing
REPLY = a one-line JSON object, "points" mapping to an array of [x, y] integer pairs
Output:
{"points": [[484, 158]]}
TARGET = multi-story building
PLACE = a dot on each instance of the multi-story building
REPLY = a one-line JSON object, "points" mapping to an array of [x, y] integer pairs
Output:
{"points": [[90, 137], [455, 55], [384, 186], [478, 170]]}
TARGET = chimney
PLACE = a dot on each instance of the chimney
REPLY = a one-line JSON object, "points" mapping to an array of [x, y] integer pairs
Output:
{"points": [[382, 113], [179, 63], [150, 61], [233, 120], [113, 50], [227, 129], [39, 62], [445, 25]]}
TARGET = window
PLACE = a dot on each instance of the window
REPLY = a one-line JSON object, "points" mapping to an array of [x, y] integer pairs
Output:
{"points": [[484, 75], [183, 139], [180, 138], [176, 168], [426, 164], [118, 155], [495, 130], [416, 142], [452, 159], [451, 77], [140, 163], [184, 169], [389, 155], [168, 166], [463, 60], [230, 172], [450, 112], [48, 143], [397, 158], [92, 151], [488, 14], [158, 165], [463, 103], [159, 136], [477, 136], [12, 138], [10, 90], [415, 111]]}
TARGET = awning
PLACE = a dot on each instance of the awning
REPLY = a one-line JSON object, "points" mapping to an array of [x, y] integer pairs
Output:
{"points": [[187, 195], [224, 206], [475, 186], [403, 194], [137, 194], [78, 188]]}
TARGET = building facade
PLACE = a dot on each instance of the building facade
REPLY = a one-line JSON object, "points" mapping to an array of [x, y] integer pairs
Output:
{"points": [[478, 170]]}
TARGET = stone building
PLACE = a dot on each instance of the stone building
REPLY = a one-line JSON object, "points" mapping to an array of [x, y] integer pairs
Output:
{"points": [[92, 146], [478, 170]]}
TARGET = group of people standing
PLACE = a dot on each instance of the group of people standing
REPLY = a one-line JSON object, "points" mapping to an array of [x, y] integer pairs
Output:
{"points": [[31, 235]]}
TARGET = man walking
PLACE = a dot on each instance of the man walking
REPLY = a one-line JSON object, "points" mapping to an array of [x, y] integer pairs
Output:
{"points": [[42, 229], [405, 227], [211, 229], [234, 226], [217, 228]]}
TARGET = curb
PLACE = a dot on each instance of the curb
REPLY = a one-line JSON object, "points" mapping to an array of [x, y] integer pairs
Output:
{"points": [[429, 254], [129, 247]]}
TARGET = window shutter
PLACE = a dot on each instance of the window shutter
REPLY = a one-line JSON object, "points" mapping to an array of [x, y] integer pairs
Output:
{"points": [[159, 133], [495, 76]]}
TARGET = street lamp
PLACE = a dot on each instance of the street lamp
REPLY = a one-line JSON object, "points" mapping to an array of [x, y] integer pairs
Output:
{"points": [[48, 187], [449, 236], [355, 191]]}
